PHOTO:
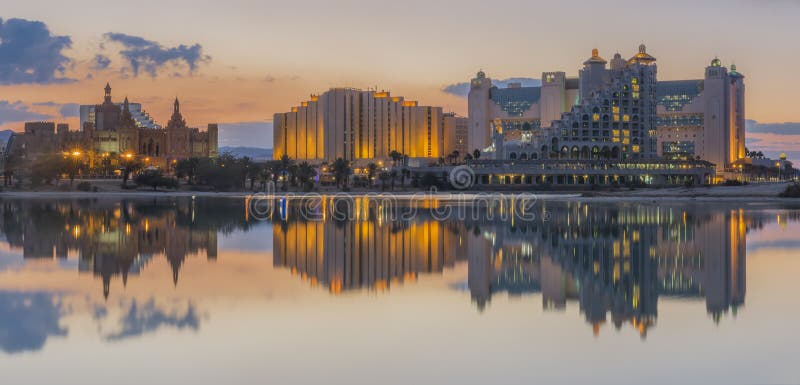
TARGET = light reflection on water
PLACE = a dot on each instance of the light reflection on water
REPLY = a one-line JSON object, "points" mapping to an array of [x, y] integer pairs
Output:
{"points": [[176, 281]]}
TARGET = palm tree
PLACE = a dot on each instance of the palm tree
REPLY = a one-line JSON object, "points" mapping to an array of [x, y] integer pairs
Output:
{"points": [[393, 174], [371, 169], [305, 172], [455, 155], [130, 164], [286, 164], [396, 157], [341, 171]]}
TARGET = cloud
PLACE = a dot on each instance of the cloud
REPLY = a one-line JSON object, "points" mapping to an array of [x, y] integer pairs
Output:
{"points": [[19, 112], [462, 89], [247, 134], [773, 128], [70, 110], [28, 320], [148, 318], [100, 62], [148, 56], [46, 104], [30, 54], [774, 138]]}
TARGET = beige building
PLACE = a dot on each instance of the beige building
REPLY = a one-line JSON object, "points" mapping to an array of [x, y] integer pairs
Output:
{"points": [[358, 125], [703, 118], [676, 119], [456, 132]]}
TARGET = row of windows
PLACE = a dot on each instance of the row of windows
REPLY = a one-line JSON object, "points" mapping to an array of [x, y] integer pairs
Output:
{"points": [[681, 120]]}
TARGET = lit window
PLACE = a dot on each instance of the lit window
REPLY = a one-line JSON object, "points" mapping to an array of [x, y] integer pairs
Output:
{"points": [[626, 118], [616, 118], [636, 95], [636, 148], [615, 110], [596, 117], [615, 132]]}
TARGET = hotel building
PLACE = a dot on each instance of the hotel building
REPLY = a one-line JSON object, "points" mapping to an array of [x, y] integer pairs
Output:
{"points": [[614, 110], [119, 128], [703, 118], [359, 125]]}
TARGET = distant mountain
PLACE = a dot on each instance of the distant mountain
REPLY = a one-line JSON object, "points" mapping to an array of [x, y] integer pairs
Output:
{"points": [[257, 153]]}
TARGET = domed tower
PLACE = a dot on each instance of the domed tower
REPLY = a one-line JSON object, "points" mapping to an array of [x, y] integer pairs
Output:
{"points": [[593, 76], [642, 57], [618, 63], [478, 132]]}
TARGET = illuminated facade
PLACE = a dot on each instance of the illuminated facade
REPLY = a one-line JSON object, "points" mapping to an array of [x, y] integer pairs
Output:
{"points": [[358, 125], [115, 130], [703, 118], [612, 110], [456, 134]]}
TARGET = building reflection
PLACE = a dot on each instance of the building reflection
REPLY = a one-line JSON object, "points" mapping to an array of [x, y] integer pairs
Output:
{"points": [[364, 248], [117, 239], [614, 260]]}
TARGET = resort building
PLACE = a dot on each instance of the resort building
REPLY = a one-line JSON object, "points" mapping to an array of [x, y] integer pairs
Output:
{"points": [[115, 130], [360, 126], [88, 114], [703, 118], [615, 110]]}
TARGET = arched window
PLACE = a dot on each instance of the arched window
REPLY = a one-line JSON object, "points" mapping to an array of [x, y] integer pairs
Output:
{"points": [[513, 155], [523, 156]]}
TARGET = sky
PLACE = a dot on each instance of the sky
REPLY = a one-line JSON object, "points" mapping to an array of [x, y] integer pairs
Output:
{"points": [[238, 62]]}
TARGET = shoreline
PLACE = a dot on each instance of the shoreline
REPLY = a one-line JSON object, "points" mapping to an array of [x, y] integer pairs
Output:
{"points": [[653, 196]]}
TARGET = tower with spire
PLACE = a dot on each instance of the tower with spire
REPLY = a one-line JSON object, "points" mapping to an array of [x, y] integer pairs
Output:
{"points": [[176, 121]]}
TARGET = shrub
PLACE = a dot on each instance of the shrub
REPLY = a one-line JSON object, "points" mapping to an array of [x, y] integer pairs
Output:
{"points": [[792, 191], [84, 186], [733, 182], [155, 179]]}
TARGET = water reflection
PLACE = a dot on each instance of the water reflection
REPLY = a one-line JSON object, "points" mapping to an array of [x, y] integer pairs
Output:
{"points": [[615, 261], [119, 238]]}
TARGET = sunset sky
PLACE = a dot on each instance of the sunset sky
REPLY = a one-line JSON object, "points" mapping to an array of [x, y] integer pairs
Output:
{"points": [[237, 62]]}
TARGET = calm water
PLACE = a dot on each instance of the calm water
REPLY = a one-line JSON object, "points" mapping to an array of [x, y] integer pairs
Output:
{"points": [[201, 291]]}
